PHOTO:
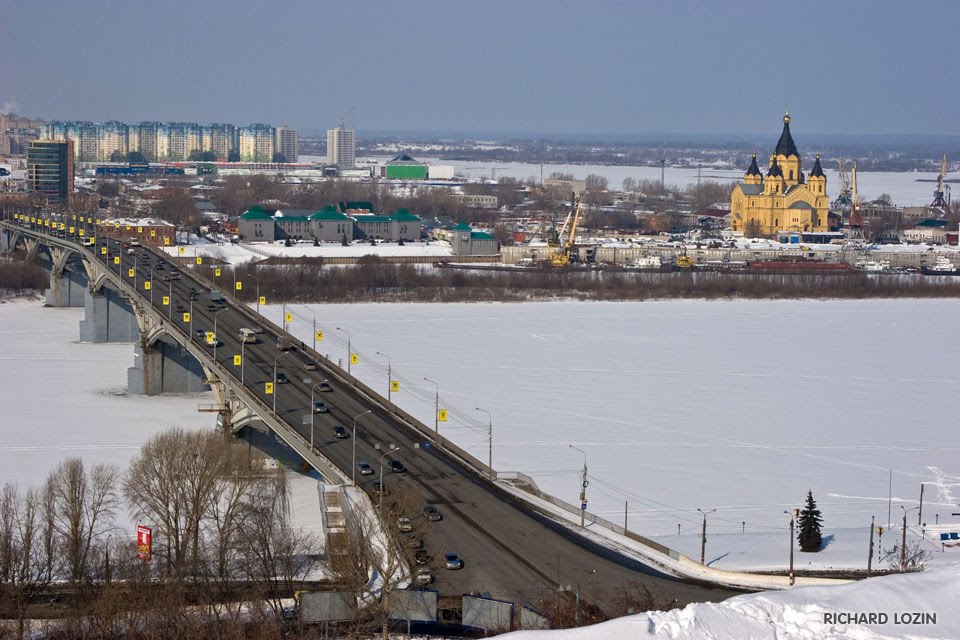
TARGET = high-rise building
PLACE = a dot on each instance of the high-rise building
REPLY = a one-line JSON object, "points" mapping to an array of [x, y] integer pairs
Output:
{"points": [[50, 169], [185, 138], [222, 140], [114, 140], [341, 147], [256, 143], [152, 139], [287, 143]]}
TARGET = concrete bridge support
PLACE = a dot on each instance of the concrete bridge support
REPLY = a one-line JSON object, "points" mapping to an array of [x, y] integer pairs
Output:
{"points": [[67, 289], [164, 367], [108, 318]]}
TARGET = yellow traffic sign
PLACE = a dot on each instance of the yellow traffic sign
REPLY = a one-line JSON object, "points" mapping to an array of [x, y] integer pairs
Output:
{"points": [[146, 285], [394, 385], [268, 388], [166, 241], [139, 229], [183, 250], [116, 225], [263, 299], [103, 251], [354, 358], [72, 230], [131, 272], [288, 317], [319, 336], [238, 286], [237, 360], [116, 259], [153, 233], [186, 317], [442, 415], [216, 272], [199, 260], [166, 301], [209, 337], [81, 233]]}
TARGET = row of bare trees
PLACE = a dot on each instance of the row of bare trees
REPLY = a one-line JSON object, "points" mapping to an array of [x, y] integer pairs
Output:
{"points": [[224, 552], [375, 279]]}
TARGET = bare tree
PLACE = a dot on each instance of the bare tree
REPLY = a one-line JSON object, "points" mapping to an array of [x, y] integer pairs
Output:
{"points": [[27, 550], [83, 509]]}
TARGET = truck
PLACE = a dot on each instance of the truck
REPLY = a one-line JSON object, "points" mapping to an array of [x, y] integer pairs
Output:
{"points": [[248, 335], [216, 296], [285, 343]]}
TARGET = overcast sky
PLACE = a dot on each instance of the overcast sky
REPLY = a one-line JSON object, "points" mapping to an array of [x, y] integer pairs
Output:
{"points": [[857, 66]]}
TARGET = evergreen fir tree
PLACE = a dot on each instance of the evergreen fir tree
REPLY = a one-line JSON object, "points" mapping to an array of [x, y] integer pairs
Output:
{"points": [[809, 525]]}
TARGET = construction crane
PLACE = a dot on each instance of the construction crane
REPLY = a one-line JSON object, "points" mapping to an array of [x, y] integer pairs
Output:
{"points": [[563, 255], [843, 199], [941, 199], [855, 221]]}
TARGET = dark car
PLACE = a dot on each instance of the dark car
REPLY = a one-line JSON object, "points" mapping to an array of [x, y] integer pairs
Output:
{"points": [[397, 467], [432, 513], [319, 407], [201, 333], [421, 557], [324, 386], [380, 489], [282, 378], [340, 432]]}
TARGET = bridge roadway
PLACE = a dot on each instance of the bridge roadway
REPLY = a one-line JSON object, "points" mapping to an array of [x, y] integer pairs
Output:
{"points": [[508, 550]]}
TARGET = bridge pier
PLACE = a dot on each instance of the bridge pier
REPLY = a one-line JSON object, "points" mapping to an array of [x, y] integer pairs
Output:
{"points": [[108, 318], [68, 289], [164, 367]]}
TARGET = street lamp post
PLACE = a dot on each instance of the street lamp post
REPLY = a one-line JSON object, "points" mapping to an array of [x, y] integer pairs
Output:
{"points": [[314, 327], [583, 486], [170, 300], [389, 379], [703, 536], [353, 469], [257, 280], [280, 355], [489, 440], [349, 349], [793, 516], [436, 407], [313, 413]]}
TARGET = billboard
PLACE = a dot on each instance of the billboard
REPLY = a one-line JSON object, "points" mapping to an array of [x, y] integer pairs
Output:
{"points": [[144, 542], [487, 613], [415, 606]]}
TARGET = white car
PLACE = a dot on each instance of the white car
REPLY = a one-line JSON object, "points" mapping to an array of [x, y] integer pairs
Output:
{"points": [[404, 524], [365, 468], [424, 577]]}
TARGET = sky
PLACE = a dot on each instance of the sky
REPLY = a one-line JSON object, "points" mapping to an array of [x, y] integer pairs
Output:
{"points": [[558, 66]]}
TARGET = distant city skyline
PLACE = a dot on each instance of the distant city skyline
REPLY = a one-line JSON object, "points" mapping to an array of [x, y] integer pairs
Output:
{"points": [[610, 68]]}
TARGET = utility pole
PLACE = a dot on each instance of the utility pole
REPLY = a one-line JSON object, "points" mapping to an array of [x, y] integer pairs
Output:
{"points": [[870, 556], [583, 487], [793, 516], [703, 535], [920, 513]]}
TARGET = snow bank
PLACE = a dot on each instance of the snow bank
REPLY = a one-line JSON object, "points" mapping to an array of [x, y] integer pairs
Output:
{"points": [[901, 606]]}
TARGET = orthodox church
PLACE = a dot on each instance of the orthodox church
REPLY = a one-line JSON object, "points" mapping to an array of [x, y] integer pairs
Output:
{"points": [[784, 199]]}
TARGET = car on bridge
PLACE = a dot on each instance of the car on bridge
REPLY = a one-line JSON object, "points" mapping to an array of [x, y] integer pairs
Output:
{"points": [[452, 560], [320, 407], [364, 468], [324, 387], [397, 467], [282, 378], [340, 433]]}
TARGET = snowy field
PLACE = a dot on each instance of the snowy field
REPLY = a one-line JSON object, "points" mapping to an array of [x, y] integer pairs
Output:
{"points": [[738, 406]]}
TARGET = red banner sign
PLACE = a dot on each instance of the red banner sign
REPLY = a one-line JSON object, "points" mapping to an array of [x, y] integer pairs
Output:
{"points": [[144, 542]]}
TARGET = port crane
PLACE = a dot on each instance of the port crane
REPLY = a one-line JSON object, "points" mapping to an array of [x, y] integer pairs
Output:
{"points": [[941, 197], [843, 199], [561, 255]]}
